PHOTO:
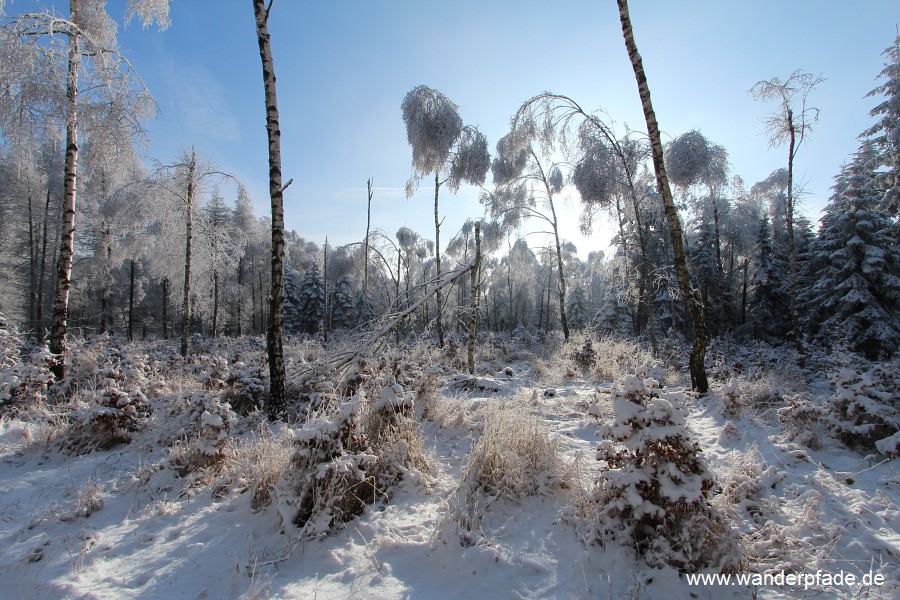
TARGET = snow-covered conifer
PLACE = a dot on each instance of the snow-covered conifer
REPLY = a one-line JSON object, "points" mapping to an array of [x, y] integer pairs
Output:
{"points": [[768, 304], [654, 488], [854, 265], [343, 313], [886, 132]]}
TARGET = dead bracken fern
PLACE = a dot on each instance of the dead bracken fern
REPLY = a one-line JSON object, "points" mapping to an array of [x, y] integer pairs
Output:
{"points": [[514, 457]]}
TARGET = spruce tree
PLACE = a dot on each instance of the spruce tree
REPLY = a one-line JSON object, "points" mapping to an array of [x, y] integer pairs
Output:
{"points": [[344, 314], [578, 310], [769, 302], [310, 302], [855, 264], [886, 131]]}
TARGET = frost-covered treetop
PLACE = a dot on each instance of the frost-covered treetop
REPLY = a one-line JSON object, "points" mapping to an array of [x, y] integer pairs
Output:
{"points": [[691, 158], [441, 142], [433, 126], [471, 161], [148, 11]]}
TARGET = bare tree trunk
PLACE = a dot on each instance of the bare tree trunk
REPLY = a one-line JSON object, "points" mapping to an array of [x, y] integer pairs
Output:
{"points": [[131, 302], [274, 338], [188, 241], [240, 298], [437, 260], [32, 264], [366, 316], [262, 306], [58, 325], [792, 245], [509, 285], [473, 317], [215, 315], [165, 308], [695, 311], [39, 317], [744, 294], [326, 317]]}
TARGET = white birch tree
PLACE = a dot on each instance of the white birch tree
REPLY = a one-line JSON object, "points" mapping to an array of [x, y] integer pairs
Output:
{"points": [[441, 145], [99, 87]]}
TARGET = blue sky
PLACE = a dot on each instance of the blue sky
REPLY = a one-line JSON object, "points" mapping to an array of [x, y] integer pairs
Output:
{"points": [[344, 66]]}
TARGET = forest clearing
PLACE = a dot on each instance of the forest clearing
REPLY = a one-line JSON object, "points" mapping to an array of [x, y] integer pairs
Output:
{"points": [[199, 401]]}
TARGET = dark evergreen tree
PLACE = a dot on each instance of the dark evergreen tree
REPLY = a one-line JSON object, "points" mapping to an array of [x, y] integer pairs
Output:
{"points": [[885, 133], [855, 265], [310, 302], [705, 276], [343, 312], [768, 304], [578, 309]]}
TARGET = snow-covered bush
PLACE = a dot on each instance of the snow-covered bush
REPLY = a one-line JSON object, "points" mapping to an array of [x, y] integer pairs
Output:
{"points": [[331, 476], [862, 412], [654, 489], [23, 382], [110, 407], [865, 407], [615, 358], [586, 356], [359, 441], [207, 423], [514, 457], [244, 388], [743, 483], [257, 462]]}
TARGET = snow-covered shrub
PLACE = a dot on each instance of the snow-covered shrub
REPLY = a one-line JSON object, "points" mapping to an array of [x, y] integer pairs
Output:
{"points": [[26, 383], [207, 424], [866, 406], [354, 448], [514, 457], [88, 500], [331, 476], [617, 358], [805, 420], [110, 408], [23, 382], [586, 356], [732, 403], [862, 412], [213, 372], [654, 489], [743, 482], [258, 462], [244, 388], [521, 335]]}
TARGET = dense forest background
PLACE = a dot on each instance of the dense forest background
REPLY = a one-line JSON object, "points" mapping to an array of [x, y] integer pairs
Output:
{"points": [[761, 269]]}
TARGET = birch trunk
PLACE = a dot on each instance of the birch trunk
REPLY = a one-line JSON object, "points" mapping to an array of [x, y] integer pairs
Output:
{"points": [[274, 342], [39, 317], [366, 316], [58, 324], [131, 302], [188, 241], [695, 311], [792, 245], [437, 260], [473, 317]]}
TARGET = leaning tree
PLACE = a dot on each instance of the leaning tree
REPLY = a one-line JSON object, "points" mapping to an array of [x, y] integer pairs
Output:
{"points": [[441, 145], [695, 310]]}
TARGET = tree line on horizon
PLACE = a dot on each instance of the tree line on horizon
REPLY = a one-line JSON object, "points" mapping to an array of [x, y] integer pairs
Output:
{"points": [[175, 249]]}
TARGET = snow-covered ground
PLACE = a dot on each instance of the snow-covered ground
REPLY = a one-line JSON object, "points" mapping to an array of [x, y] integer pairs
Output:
{"points": [[133, 521]]}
